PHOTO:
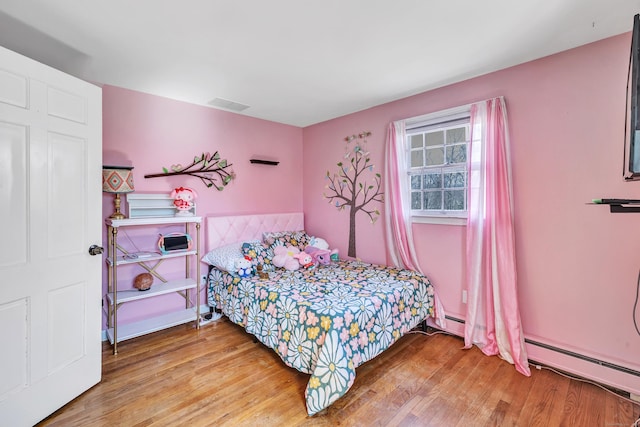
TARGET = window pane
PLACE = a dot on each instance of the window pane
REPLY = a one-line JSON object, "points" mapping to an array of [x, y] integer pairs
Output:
{"points": [[436, 164], [457, 154], [416, 141], [456, 135], [435, 156], [416, 200], [415, 182], [454, 200], [433, 200], [454, 179], [434, 138], [432, 180], [417, 160]]}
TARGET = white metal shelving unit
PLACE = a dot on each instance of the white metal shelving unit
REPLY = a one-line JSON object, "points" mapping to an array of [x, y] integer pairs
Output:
{"points": [[117, 257]]}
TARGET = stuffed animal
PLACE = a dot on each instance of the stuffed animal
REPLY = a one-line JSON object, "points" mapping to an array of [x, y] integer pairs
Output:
{"points": [[261, 274], [183, 198], [319, 250], [321, 256], [284, 257], [244, 267], [318, 242], [305, 260]]}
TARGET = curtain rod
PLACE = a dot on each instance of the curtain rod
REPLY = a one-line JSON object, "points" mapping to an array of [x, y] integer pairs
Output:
{"points": [[448, 111]]}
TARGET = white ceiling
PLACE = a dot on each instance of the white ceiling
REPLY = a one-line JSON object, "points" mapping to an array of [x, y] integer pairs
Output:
{"points": [[299, 62]]}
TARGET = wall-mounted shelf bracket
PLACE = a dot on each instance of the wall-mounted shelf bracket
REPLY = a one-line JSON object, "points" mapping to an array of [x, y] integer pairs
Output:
{"points": [[620, 205], [623, 209]]}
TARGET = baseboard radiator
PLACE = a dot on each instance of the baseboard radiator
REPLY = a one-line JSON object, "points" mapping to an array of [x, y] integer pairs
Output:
{"points": [[569, 353]]}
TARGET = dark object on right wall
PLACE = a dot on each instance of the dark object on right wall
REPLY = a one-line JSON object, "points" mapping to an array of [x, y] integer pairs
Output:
{"points": [[631, 164]]}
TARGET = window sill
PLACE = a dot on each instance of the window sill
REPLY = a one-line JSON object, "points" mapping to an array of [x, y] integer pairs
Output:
{"points": [[443, 220]]}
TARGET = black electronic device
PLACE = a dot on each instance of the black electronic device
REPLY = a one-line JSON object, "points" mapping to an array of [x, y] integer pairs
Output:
{"points": [[174, 242], [632, 124]]}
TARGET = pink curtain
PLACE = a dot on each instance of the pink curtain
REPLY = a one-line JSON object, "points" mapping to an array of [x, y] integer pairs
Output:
{"points": [[493, 317], [397, 212], [400, 247]]}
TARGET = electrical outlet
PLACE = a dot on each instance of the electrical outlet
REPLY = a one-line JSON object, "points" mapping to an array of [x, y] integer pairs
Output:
{"points": [[464, 296]]}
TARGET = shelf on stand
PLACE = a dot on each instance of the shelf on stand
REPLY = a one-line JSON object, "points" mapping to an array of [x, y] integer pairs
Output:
{"points": [[155, 290], [152, 324]]}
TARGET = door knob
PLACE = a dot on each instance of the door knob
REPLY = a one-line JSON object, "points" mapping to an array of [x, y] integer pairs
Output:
{"points": [[95, 250]]}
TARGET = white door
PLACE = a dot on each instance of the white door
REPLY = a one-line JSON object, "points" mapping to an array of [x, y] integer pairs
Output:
{"points": [[50, 213]]}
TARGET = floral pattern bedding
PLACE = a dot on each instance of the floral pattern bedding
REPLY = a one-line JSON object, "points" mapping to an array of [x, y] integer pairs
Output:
{"points": [[328, 320]]}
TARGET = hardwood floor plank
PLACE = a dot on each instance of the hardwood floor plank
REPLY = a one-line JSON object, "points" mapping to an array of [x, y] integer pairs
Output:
{"points": [[516, 394], [580, 406], [219, 375], [616, 410], [450, 397], [545, 402]]}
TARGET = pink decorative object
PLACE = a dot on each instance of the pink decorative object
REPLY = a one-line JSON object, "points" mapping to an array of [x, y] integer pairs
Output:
{"points": [[183, 198], [285, 257], [320, 256], [305, 260]]}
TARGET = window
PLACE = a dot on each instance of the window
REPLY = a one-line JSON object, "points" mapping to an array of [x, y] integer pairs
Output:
{"points": [[437, 148]]}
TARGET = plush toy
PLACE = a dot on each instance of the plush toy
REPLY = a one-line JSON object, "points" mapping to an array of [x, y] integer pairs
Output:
{"points": [[305, 260], [321, 256], [183, 198], [319, 250], [284, 257], [261, 274], [318, 242], [243, 267]]}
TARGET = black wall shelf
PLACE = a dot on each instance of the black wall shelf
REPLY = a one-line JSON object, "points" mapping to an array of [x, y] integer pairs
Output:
{"points": [[620, 205], [264, 162], [623, 209]]}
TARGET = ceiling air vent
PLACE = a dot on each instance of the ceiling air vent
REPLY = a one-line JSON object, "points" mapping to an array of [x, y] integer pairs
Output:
{"points": [[227, 105]]}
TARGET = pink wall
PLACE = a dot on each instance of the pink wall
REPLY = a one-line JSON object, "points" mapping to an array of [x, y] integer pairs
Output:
{"points": [[149, 132], [577, 266], [577, 263]]}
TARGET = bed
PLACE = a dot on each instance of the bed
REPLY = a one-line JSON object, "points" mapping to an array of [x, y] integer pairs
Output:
{"points": [[324, 321]]}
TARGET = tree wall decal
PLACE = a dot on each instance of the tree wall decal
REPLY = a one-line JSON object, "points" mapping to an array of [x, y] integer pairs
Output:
{"points": [[210, 168], [348, 188]]}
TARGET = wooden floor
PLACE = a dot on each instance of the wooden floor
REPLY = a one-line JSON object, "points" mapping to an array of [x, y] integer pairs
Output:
{"points": [[219, 376]]}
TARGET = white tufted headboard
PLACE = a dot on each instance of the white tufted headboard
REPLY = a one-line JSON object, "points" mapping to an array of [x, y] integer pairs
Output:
{"points": [[223, 230]]}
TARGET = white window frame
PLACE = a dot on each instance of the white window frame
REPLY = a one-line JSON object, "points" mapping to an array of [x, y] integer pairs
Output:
{"points": [[433, 120]]}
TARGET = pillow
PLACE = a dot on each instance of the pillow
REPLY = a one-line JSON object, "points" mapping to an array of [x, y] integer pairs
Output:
{"points": [[299, 239], [259, 254], [225, 257]]}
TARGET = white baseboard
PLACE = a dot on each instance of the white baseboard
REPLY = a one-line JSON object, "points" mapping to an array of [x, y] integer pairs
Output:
{"points": [[573, 362]]}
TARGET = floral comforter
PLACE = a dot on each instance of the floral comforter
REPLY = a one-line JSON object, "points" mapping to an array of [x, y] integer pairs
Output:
{"points": [[328, 320]]}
